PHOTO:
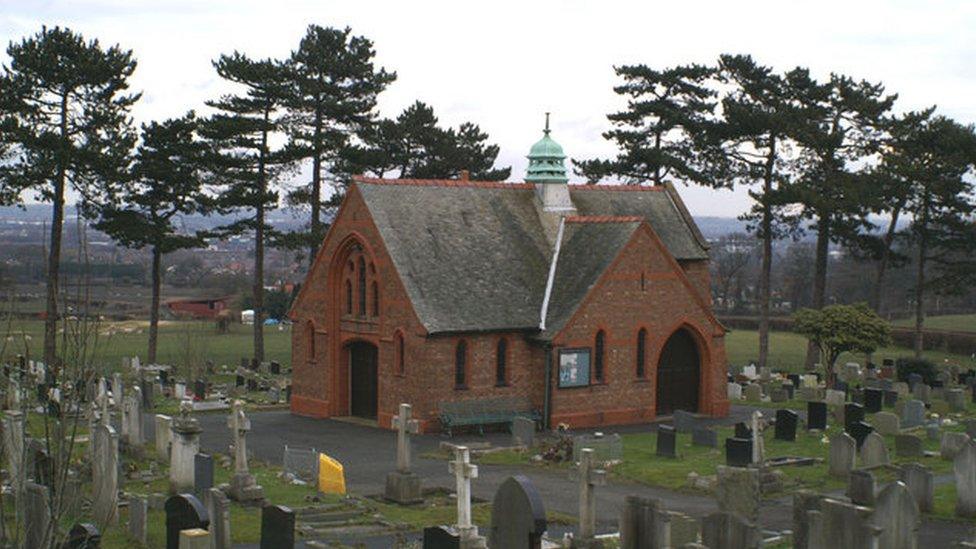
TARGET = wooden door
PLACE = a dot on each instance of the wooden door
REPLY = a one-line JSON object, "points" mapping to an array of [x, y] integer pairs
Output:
{"points": [[678, 374], [362, 380]]}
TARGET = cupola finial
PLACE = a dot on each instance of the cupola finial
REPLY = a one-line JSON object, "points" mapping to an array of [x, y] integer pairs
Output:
{"points": [[546, 130]]}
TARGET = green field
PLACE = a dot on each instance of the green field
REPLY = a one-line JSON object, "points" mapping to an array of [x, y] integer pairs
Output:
{"points": [[180, 343], [787, 351], [955, 323]]}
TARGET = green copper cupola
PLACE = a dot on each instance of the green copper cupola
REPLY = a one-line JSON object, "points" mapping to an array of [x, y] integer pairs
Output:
{"points": [[548, 173], [546, 160]]}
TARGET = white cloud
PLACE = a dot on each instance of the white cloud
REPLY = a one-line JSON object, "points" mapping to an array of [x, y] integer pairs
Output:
{"points": [[502, 64]]}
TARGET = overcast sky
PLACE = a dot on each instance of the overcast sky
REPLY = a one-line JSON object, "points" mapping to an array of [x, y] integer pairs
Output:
{"points": [[503, 64]]}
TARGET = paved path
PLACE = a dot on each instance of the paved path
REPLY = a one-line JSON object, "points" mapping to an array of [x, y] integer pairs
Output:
{"points": [[368, 454]]}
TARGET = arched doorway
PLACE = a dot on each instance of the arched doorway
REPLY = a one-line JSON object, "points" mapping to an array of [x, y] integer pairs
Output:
{"points": [[362, 380], [678, 374]]}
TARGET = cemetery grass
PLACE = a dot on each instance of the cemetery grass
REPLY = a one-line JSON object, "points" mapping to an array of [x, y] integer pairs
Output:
{"points": [[955, 323]]}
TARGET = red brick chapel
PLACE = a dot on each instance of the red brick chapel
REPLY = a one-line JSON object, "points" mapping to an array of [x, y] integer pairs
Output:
{"points": [[589, 303]]}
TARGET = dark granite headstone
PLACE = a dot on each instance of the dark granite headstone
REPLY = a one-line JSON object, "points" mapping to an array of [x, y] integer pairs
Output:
{"points": [[794, 379], [786, 425], [203, 473], [239, 382], [288, 393], [277, 527], [873, 400], [890, 398], [255, 364], [704, 437], [853, 413], [275, 367], [183, 512], [860, 431], [840, 386], [164, 377], [252, 384], [738, 452], [83, 535], [857, 395], [518, 518], [441, 537], [666, 441], [816, 415], [742, 431], [199, 389]]}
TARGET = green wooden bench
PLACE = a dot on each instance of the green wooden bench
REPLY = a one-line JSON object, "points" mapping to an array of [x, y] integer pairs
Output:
{"points": [[484, 411]]}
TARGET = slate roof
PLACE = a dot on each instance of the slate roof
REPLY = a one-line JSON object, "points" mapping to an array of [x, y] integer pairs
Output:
{"points": [[474, 257]]}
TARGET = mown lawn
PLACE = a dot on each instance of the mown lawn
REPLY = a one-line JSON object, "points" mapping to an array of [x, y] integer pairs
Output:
{"points": [[955, 323], [180, 342], [788, 350]]}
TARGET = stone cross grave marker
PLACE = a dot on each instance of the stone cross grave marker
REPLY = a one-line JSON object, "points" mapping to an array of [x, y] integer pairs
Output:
{"points": [[186, 445], [277, 527], [243, 486], [183, 512], [518, 517], [402, 485], [589, 478], [105, 476], [758, 444], [463, 471]]}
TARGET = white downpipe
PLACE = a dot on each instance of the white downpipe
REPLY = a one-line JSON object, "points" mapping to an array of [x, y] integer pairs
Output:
{"points": [[552, 275]]}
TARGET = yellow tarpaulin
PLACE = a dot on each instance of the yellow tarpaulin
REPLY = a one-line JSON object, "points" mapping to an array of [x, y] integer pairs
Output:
{"points": [[332, 479]]}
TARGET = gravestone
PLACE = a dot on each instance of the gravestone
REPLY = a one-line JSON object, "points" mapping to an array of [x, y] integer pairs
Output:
{"points": [[138, 512], [683, 421], [133, 417], [890, 398], [897, 516], [239, 381], [833, 397], [860, 487], [37, 515], [105, 476], [913, 380], [922, 392], [275, 368], [200, 389], [243, 486], [523, 432], [589, 478], [218, 509], [952, 443], [956, 398], [727, 531], [921, 484], [786, 425], [817, 415], [913, 415], [518, 517], [644, 523], [907, 445], [853, 413], [841, 524], [886, 423], [277, 527], [734, 391], [685, 530], [666, 441], [860, 430], [874, 453], [183, 512], [742, 431], [779, 394], [186, 444], [964, 470], [704, 437], [841, 455], [737, 491], [164, 436], [195, 538], [83, 536], [804, 501], [738, 452], [403, 485], [753, 392], [13, 450], [203, 473], [933, 431], [873, 400]]}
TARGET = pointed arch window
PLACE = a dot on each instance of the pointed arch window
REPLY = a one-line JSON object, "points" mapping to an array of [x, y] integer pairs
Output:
{"points": [[599, 350], [641, 353], [348, 297], [501, 363], [460, 365], [362, 286], [398, 353]]}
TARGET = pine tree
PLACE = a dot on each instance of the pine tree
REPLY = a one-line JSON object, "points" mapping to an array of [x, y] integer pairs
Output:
{"points": [[755, 150], [842, 123], [936, 158], [414, 146], [333, 85], [167, 181], [245, 165], [658, 134], [66, 121]]}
